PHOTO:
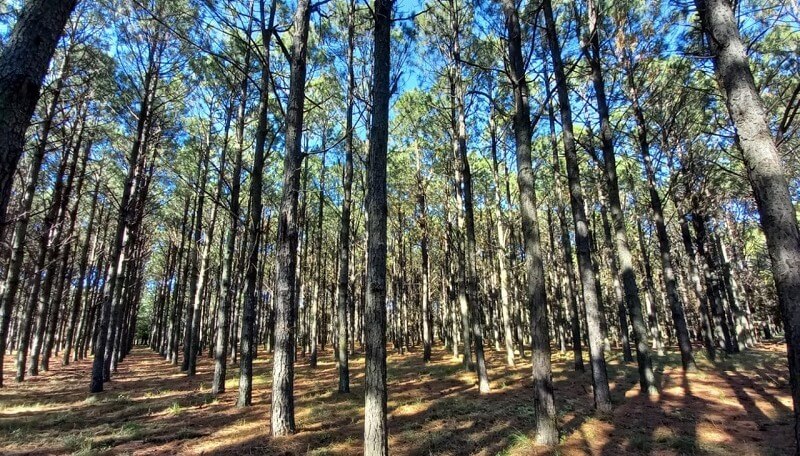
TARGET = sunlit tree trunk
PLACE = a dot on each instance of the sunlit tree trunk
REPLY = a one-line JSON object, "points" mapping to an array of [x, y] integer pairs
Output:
{"points": [[376, 431], [536, 298], [602, 395]]}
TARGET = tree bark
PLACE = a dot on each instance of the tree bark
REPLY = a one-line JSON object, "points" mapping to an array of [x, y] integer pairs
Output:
{"points": [[629, 282], [543, 402], [23, 64], [287, 296], [376, 431], [602, 395]]}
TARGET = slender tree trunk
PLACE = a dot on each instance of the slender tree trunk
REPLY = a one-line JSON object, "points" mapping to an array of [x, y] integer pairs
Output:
{"points": [[287, 297], [116, 259], [536, 298], [194, 263], [602, 395], [376, 430], [227, 294], [566, 244], [622, 313], [694, 276], [629, 282], [318, 273], [502, 248], [342, 285], [77, 297], [664, 244]]}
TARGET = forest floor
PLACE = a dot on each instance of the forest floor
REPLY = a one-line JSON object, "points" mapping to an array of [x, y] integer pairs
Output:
{"points": [[740, 405]]}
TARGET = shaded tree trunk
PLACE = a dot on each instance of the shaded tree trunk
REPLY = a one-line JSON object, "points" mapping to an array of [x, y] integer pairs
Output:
{"points": [[536, 298], [376, 430], [23, 64], [287, 297]]}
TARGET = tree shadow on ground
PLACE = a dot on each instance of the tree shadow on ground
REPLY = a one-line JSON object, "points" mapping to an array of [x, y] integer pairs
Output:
{"points": [[435, 408]]}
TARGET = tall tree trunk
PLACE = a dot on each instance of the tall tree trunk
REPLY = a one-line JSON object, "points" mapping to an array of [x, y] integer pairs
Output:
{"points": [[195, 294], [602, 395], [342, 284], [502, 248], [629, 282], [622, 313], [765, 172], [65, 278], [287, 297], [566, 244], [24, 62], [464, 175], [319, 267], [697, 286], [376, 431], [247, 344], [543, 402], [664, 244], [227, 294], [116, 259]]}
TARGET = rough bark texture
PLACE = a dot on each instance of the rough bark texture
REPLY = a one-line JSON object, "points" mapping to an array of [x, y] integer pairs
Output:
{"points": [[602, 395], [23, 65], [629, 282], [543, 402], [765, 172], [376, 431], [286, 298]]}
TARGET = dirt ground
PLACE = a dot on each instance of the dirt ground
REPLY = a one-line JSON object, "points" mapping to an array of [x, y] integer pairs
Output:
{"points": [[740, 405]]}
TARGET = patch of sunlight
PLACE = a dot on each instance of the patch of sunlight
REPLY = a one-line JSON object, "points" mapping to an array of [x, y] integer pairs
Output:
{"points": [[410, 409], [240, 431], [709, 433], [34, 407], [591, 428], [519, 443]]}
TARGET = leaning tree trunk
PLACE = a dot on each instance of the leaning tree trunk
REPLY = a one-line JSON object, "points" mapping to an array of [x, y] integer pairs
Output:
{"points": [[765, 172], [629, 282], [376, 431], [543, 402], [287, 297], [23, 64], [602, 394], [664, 244], [21, 226]]}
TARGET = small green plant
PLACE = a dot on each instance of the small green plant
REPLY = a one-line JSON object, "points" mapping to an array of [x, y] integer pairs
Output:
{"points": [[175, 409]]}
